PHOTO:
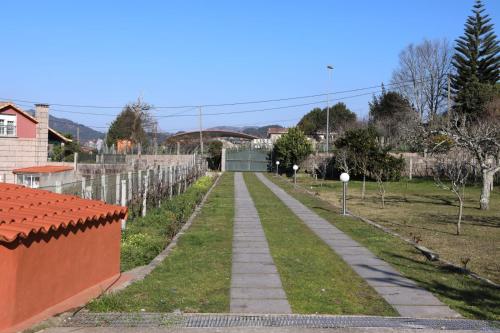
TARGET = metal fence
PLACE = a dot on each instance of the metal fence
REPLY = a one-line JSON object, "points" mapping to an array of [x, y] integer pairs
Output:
{"points": [[138, 190], [257, 160]]}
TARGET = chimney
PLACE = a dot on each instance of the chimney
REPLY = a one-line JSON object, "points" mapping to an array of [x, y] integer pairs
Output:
{"points": [[42, 132]]}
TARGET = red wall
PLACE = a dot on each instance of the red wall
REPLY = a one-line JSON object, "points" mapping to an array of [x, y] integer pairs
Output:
{"points": [[45, 270], [26, 128]]}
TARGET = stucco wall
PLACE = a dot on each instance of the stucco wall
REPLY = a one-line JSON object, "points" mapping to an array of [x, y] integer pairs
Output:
{"points": [[45, 270], [26, 128]]}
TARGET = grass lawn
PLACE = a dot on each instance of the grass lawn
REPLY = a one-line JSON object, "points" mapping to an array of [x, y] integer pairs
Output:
{"points": [[196, 276], [145, 237], [315, 279], [466, 295], [420, 209]]}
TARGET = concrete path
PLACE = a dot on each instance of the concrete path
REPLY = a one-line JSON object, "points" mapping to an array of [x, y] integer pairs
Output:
{"points": [[255, 282], [401, 293]]}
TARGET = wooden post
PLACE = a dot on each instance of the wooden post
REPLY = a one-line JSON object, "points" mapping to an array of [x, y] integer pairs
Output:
{"points": [[145, 196], [160, 185], [117, 188], [124, 200]]}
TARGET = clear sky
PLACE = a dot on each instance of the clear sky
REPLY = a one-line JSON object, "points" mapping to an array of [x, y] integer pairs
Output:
{"points": [[107, 53]]}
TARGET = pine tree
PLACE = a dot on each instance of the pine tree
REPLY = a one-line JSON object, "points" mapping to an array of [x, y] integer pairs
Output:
{"points": [[477, 62]]}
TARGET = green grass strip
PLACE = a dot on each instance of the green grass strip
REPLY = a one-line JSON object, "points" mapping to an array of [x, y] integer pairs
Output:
{"points": [[468, 296], [196, 276], [315, 279]]}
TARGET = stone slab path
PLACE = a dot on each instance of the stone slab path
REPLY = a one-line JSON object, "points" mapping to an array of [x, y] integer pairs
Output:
{"points": [[255, 282], [402, 294]]}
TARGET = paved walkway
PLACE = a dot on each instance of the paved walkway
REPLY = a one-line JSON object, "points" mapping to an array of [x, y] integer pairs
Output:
{"points": [[401, 293], [255, 282]]}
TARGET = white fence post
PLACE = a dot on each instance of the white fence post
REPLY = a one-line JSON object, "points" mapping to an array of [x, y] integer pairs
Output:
{"points": [[170, 181], [130, 191], [104, 192], [58, 187], [117, 189], [83, 187], [124, 200], [145, 196]]}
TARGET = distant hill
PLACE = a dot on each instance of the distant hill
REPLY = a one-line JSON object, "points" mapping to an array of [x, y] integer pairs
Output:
{"points": [[260, 132], [63, 125]]}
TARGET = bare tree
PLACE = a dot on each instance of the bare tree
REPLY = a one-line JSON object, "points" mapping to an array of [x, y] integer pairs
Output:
{"points": [[481, 138], [422, 76], [342, 160], [456, 169]]}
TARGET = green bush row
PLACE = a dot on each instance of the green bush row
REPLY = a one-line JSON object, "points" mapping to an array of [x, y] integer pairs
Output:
{"points": [[145, 237]]}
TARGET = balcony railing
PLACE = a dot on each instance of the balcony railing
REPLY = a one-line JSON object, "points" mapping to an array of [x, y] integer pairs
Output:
{"points": [[7, 130]]}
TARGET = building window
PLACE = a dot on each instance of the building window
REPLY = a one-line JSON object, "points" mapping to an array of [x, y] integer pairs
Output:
{"points": [[7, 125], [31, 181]]}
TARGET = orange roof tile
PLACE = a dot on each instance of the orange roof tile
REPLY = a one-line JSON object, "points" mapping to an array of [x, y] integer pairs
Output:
{"points": [[43, 169], [25, 211]]}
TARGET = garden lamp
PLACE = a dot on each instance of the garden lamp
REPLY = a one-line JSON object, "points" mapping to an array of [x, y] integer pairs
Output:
{"points": [[344, 178]]}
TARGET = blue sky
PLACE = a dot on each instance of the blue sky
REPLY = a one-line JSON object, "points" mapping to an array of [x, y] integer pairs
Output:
{"points": [[202, 52]]}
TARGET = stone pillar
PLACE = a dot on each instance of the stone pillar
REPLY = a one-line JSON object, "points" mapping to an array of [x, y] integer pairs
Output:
{"points": [[42, 133]]}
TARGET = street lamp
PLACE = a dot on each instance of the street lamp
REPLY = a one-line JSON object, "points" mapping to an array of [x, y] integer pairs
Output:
{"points": [[330, 69], [344, 178], [277, 167], [295, 168]]}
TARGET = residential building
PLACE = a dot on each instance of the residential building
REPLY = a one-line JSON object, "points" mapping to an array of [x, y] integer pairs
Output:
{"points": [[274, 133], [24, 139], [46, 176]]}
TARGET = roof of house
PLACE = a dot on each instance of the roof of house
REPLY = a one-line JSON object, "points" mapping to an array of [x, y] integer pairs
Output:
{"points": [[43, 169], [25, 211], [58, 135], [4, 105], [277, 130]]}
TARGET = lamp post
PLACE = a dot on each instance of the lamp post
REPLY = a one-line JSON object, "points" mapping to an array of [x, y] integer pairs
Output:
{"points": [[295, 168], [330, 69], [344, 178], [277, 167]]}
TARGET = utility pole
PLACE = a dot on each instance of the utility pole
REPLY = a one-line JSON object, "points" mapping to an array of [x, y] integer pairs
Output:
{"points": [[201, 131], [329, 68]]}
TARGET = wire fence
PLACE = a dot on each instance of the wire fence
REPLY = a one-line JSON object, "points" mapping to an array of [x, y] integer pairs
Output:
{"points": [[138, 190]]}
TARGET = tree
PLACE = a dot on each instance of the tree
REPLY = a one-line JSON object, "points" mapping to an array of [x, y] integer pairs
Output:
{"points": [[388, 112], [65, 152], [482, 140], [214, 155], [422, 76], [361, 143], [384, 167], [132, 124], [314, 122], [291, 148], [476, 62], [456, 169]]}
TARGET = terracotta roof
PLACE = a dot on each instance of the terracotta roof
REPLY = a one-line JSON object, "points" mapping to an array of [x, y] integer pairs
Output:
{"points": [[277, 130], [4, 105], [43, 169], [25, 211]]}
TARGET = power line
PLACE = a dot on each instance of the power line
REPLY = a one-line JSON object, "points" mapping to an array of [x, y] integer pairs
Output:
{"points": [[223, 104]]}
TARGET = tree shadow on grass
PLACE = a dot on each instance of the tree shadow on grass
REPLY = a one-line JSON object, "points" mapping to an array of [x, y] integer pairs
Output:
{"points": [[471, 296]]}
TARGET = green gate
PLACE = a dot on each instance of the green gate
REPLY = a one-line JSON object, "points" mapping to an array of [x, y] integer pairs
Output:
{"points": [[255, 160]]}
